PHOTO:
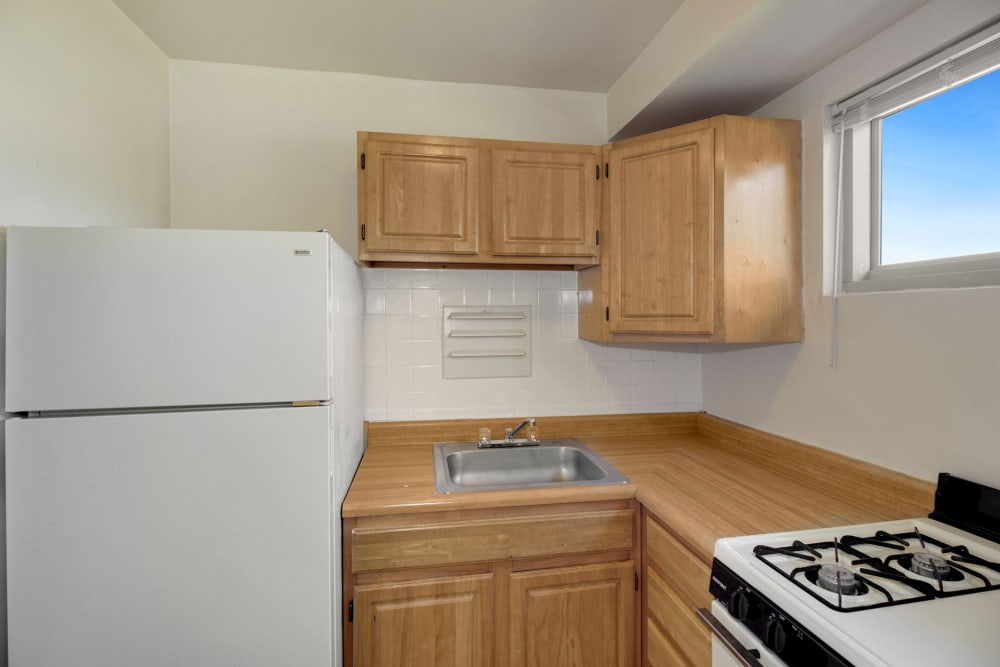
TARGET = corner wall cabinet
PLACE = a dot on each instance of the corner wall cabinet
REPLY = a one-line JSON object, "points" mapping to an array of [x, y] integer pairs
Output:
{"points": [[434, 200], [552, 586], [702, 239]]}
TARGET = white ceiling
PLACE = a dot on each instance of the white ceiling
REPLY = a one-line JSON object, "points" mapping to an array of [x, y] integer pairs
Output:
{"points": [[580, 45], [737, 55], [778, 44]]}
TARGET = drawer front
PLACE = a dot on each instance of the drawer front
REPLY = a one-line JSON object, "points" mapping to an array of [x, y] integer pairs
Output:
{"points": [[659, 651], [481, 540], [678, 565], [677, 621]]}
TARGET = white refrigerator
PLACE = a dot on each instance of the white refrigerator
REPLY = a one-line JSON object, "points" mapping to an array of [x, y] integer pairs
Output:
{"points": [[183, 420]]}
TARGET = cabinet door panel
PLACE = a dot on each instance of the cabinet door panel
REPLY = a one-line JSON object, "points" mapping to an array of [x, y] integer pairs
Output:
{"points": [[580, 616], [421, 198], [544, 203], [662, 274], [659, 651], [443, 622], [677, 621]]}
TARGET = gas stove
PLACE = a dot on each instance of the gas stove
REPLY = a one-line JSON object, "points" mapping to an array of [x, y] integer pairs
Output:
{"points": [[889, 594]]}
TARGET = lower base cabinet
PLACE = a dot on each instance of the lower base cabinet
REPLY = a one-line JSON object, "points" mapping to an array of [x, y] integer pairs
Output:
{"points": [[525, 587], [573, 616], [676, 584]]}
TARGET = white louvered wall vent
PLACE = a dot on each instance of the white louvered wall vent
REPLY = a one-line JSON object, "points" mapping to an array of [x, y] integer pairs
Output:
{"points": [[486, 341]]}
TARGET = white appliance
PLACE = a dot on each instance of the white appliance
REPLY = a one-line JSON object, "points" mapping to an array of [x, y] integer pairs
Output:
{"points": [[890, 594], [184, 419]]}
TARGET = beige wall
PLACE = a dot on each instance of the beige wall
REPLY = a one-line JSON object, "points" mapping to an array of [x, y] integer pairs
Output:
{"points": [[83, 117], [83, 130], [265, 148], [917, 386]]}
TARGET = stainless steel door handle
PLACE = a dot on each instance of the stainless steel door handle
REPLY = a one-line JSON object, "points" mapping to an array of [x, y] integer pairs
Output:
{"points": [[745, 656]]}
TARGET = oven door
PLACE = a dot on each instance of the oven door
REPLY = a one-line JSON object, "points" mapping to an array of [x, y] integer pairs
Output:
{"points": [[732, 644]]}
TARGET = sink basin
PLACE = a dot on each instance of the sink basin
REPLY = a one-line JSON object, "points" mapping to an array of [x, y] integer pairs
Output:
{"points": [[463, 466]]}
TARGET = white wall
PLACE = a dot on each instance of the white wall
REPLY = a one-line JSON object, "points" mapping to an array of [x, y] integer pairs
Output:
{"points": [[265, 148], [83, 117], [917, 385], [83, 131], [403, 378]]}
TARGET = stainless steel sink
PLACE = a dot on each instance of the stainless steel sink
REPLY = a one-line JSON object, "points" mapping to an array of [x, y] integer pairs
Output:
{"points": [[464, 466]]}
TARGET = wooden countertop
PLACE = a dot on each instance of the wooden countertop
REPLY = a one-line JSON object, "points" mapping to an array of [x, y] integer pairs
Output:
{"points": [[704, 477]]}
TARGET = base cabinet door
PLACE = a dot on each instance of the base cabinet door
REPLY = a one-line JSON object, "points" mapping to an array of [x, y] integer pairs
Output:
{"points": [[580, 616], [441, 622]]}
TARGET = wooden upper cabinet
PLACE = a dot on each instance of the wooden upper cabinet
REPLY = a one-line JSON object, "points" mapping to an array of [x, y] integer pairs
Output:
{"points": [[435, 200], [445, 622], [421, 198], [702, 236], [545, 202], [662, 278], [579, 616]]}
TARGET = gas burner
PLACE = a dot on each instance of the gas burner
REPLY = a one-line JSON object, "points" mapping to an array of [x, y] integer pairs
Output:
{"points": [[837, 579], [930, 566]]}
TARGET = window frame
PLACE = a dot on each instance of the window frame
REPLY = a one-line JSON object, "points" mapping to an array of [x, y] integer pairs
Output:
{"points": [[860, 270]]}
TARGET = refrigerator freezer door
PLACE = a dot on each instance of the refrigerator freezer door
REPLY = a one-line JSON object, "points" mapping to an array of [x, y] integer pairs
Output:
{"points": [[200, 539], [102, 318]]}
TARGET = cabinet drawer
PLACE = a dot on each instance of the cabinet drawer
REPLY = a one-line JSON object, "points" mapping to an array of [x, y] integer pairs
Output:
{"points": [[679, 566], [678, 621], [477, 540], [659, 651]]}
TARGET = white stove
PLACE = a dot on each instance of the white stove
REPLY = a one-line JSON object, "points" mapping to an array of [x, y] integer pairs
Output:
{"points": [[890, 594]]}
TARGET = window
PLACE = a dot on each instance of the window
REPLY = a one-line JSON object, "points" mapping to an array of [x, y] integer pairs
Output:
{"points": [[920, 204]]}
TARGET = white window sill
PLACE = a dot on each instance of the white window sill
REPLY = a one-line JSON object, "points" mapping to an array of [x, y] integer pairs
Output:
{"points": [[949, 273]]}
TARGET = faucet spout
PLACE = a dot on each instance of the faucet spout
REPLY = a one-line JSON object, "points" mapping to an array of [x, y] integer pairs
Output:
{"points": [[511, 432]]}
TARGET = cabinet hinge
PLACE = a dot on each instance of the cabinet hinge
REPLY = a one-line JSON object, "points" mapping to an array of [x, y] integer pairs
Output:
{"points": [[350, 611], [607, 314], [636, 575], [598, 236], [605, 170], [362, 232], [362, 160]]}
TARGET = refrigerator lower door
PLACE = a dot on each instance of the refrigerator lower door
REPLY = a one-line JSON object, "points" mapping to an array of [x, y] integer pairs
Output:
{"points": [[200, 539], [102, 318]]}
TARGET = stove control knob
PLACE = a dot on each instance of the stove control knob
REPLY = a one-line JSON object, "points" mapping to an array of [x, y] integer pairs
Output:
{"points": [[776, 634], [740, 603]]}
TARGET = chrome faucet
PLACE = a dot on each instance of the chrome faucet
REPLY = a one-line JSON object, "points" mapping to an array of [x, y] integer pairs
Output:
{"points": [[509, 433]]}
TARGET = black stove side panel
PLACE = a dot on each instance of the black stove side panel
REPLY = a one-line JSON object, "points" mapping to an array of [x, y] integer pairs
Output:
{"points": [[780, 633], [969, 506]]}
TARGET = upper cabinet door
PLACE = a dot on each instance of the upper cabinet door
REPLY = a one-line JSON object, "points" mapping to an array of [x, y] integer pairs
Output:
{"points": [[662, 273], [545, 202], [421, 198]]}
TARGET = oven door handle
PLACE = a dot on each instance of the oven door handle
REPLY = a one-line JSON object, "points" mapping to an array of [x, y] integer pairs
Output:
{"points": [[746, 657]]}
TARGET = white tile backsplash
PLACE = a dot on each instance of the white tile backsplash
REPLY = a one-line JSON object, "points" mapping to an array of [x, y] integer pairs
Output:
{"points": [[402, 354]]}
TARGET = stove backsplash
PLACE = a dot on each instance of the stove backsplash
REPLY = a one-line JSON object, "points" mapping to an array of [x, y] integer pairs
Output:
{"points": [[402, 352]]}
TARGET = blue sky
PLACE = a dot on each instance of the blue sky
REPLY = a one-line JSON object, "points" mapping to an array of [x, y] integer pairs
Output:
{"points": [[941, 175]]}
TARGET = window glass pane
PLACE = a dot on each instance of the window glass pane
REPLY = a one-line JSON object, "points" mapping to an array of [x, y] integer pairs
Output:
{"points": [[941, 175]]}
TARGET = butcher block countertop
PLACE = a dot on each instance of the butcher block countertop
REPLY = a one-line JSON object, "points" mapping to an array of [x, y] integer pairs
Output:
{"points": [[704, 477]]}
